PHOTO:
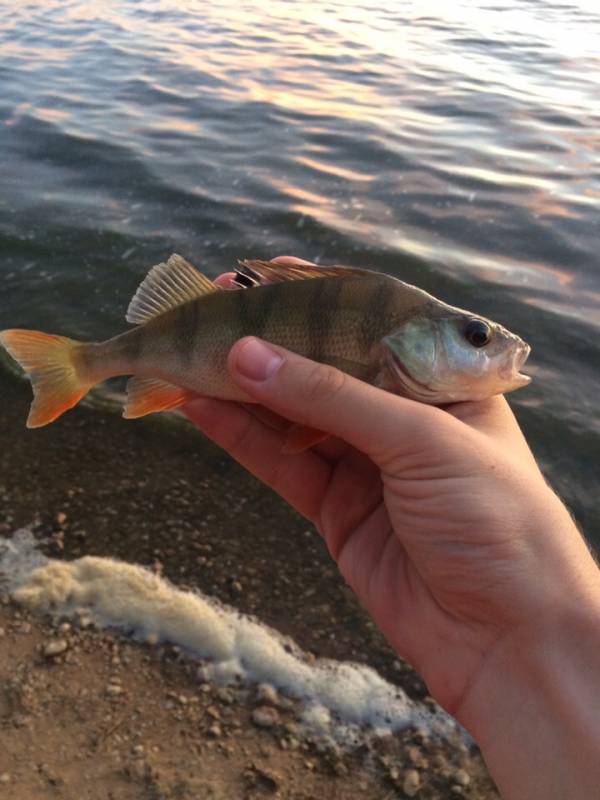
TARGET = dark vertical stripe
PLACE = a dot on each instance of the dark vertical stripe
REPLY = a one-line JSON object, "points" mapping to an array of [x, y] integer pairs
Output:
{"points": [[325, 298], [244, 314], [132, 344], [200, 314], [185, 325], [262, 301], [376, 317]]}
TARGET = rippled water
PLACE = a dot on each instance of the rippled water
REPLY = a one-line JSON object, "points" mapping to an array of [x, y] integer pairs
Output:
{"points": [[453, 146]]}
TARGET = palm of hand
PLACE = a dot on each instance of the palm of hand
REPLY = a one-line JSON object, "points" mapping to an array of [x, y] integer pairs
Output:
{"points": [[418, 543]]}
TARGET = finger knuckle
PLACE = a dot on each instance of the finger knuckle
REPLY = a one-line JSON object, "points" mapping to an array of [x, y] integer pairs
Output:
{"points": [[324, 383]]}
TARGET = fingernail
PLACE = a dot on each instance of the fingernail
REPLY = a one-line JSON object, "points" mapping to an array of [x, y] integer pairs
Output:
{"points": [[257, 361]]}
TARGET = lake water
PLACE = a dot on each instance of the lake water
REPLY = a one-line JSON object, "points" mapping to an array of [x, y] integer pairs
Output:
{"points": [[454, 146]]}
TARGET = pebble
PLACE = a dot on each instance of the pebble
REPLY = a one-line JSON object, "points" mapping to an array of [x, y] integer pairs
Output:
{"points": [[5, 777], [462, 777], [215, 730], [61, 518], [267, 694], [411, 783], [114, 690], [2, 632], [55, 648], [415, 756], [225, 696], [265, 717]]}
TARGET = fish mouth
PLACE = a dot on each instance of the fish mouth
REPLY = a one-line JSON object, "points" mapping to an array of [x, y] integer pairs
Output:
{"points": [[510, 370]]}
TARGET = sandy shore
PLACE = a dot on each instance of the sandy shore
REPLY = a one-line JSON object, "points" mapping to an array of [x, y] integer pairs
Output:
{"points": [[158, 494]]}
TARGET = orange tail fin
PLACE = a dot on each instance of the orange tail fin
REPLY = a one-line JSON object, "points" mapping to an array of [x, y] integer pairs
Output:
{"points": [[52, 369]]}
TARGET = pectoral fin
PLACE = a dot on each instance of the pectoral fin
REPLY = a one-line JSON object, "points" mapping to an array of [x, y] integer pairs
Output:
{"points": [[148, 395]]}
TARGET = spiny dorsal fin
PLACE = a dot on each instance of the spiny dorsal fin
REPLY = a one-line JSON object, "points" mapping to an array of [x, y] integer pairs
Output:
{"points": [[167, 286], [258, 273]]}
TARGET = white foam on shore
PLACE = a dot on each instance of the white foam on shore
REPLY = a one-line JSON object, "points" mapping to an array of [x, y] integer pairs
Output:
{"points": [[340, 698]]}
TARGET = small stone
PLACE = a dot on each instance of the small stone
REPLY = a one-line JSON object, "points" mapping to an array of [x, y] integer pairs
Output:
{"points": [[2, 632], [267, 694], [462, 777], [61, 518], [114, 690], [215, 730], [225, 696], [5, 777], [139, 770], [55, 648], [416, 757], [411, 783], [339, 768], [138, 750], [438, 761], [265, 717]]}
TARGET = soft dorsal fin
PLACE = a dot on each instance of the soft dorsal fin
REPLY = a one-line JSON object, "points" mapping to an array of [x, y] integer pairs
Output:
{"points": [[167, 286], [258, 273]]}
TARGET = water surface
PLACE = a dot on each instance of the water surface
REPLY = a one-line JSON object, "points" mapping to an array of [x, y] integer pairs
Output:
{"points": [[457, 148]]}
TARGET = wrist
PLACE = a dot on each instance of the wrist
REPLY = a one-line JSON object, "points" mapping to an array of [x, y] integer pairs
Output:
{"points": [[534, 707]]}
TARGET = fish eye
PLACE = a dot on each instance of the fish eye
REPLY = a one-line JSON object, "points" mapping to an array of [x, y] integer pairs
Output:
{"points": [[477, 332]]}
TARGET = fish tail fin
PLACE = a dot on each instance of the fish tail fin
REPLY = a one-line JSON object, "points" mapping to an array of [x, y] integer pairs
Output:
{"points": [[52, 367]]}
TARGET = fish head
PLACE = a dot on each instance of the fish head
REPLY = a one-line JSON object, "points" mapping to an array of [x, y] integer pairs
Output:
{"points": [[453, 356]]}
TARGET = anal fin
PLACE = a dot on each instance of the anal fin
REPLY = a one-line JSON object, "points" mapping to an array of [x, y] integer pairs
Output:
{"points": [[149, 395]]}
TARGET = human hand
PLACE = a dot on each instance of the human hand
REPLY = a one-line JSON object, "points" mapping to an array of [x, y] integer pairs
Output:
{"points": [[440, 520]]}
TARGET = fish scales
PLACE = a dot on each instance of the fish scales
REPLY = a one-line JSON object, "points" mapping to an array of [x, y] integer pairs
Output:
{"points": [[368, 324]]}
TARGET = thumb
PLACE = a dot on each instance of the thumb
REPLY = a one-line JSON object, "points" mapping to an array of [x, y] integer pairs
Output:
{"points": [[371, 420]]}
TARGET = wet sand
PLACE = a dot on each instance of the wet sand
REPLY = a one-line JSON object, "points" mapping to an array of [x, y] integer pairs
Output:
{"points": [[155, 492]]}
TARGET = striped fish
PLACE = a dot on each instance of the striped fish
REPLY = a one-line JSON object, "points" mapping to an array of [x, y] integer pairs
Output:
{"points": [[366, 323]]}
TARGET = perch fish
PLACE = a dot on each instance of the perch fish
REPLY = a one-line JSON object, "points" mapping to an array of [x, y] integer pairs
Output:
{"points": [[366, 323]]}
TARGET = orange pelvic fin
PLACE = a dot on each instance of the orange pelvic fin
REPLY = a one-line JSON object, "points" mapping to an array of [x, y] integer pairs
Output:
{"points": [[301, 437], [52, 366], [149, 395]]}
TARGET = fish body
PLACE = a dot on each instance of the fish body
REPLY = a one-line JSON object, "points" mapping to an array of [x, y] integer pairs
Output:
{"points": [[368, 324], [335, 321]]}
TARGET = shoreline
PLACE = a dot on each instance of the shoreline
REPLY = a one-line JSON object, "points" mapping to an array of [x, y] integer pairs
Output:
{"points": [[157, 493]]}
